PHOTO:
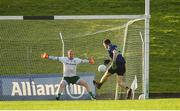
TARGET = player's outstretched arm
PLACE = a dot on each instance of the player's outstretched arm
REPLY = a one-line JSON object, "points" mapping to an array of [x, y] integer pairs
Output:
{"points": [[90, 61], [46, 56]]}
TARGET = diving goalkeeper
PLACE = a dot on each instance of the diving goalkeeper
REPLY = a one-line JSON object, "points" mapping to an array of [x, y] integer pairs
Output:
{"points": [[117, 66], [69, 71]]}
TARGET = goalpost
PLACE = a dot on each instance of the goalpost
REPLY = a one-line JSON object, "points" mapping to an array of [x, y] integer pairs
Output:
{"points": [[146, 49], [126, 41]]}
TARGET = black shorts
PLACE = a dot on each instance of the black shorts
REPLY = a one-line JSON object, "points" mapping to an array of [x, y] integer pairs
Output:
{"points": [[72, 80], [120, 69]]}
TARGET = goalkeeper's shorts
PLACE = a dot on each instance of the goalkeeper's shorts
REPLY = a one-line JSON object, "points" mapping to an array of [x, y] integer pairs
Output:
{"points": [[71, 80], [119, 70]]}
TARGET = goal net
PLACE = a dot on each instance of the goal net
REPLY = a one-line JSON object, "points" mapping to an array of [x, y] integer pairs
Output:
{"points": [[23, 41]]}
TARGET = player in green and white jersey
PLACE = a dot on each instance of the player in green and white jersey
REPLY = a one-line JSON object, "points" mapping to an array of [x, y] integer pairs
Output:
{"points": [[69, 71]]}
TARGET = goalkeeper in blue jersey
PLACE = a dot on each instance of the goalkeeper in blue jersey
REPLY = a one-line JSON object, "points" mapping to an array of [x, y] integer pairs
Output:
{"points": [[117, 65], [69, 71]]}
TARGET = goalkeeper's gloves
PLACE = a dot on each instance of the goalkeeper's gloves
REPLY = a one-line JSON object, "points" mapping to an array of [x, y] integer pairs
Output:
{"points": [[44, 56], [91, 60], [106, 61]]}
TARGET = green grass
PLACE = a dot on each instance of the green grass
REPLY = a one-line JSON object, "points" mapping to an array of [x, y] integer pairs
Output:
{"points": [[164, 34], [157, 104], [164, 51], [70, 7]]}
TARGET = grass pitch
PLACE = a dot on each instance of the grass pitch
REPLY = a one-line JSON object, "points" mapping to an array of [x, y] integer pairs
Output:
{"points": [[164, 32], [156, 104]]}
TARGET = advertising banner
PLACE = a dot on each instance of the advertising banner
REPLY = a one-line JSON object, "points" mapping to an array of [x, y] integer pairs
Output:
{"points": [[42, 87]]}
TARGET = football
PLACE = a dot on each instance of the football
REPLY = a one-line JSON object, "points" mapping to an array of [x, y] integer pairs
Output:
{"points": [[102, 68]]}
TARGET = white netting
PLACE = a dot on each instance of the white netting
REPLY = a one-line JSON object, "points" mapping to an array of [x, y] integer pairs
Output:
{"points": [[22, 42]]}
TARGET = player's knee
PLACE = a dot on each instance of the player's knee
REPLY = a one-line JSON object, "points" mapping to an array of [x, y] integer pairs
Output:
{"points": [[62, 84], [84, 83], [121, 83]]}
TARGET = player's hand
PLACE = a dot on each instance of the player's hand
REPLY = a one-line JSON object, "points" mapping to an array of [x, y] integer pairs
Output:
{"points": [[106, 61], [44, 56], [114, 66], [91, 60]]}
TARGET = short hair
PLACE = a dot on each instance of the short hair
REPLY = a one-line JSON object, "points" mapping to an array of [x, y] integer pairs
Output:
{"points": [[106, 41], [69, 51]]}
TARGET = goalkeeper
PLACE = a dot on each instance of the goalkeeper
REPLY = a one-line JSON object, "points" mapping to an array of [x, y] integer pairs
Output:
{"points": [[117, 66], [69, 71]]}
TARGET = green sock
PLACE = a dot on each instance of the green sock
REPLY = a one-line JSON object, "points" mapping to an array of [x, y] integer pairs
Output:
{"points": [[59, 94], [91, 94]]}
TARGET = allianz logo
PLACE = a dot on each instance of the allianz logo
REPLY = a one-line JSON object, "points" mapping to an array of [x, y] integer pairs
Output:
{"points": [[32, 89]]}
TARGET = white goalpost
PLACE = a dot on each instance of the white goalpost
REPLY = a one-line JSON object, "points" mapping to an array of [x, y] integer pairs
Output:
{"points": [[146, 49], [62, 40]]}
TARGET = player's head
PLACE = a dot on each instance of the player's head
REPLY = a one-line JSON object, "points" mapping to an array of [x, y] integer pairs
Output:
{"points": [[106, 43], [70, 54]]}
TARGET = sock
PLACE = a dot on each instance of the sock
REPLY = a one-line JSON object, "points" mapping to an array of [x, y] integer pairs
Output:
{"points": [[60, 94], [91, 94]]}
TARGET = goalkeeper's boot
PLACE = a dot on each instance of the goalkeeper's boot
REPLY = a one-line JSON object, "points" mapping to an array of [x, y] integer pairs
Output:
{"points": [[129, 93], [97, 84], [58, 96], [93, 97]]}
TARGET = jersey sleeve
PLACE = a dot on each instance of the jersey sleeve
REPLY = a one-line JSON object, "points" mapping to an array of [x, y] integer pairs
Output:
{"points": [[84, 61], [114, 47], [79, 61], [61, 59]]}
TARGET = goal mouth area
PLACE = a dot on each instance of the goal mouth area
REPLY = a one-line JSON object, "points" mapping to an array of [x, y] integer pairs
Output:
{"points": [[26, 38]]}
